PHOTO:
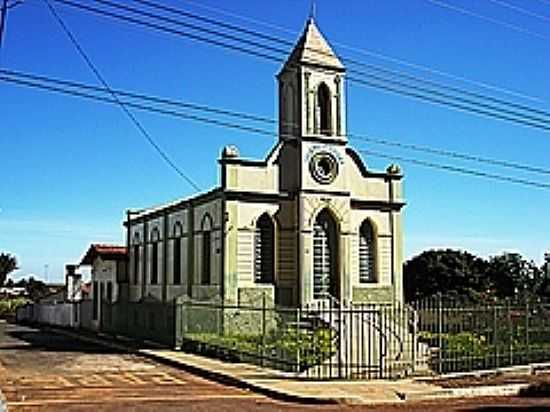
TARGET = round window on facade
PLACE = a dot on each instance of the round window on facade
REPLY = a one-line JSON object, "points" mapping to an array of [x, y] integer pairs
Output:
{"points": [[323, 167]]}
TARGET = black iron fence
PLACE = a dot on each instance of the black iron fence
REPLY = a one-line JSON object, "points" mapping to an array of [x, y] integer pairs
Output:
{"points": [[329, 340], [463, 337], [152, 321], [320, 341]]}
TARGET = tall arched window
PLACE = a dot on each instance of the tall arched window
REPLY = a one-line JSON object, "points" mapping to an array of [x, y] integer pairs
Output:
{"points": [[288, 109], [367, 253], [325, 257], [155, 237], [176, 253], [206, 250], [324, 109], [136, 258], [264, 253]]}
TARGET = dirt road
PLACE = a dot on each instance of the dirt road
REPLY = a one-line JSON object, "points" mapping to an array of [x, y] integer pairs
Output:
{"points": [[45, 371]]}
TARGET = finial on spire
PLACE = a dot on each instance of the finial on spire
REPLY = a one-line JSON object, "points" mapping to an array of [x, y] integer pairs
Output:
{"points": [[313, 10]]}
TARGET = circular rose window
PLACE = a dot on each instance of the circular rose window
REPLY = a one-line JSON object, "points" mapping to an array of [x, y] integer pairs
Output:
{"points": [[323, 167]]}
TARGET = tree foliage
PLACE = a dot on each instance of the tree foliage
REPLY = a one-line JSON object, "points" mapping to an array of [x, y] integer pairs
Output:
{"points": [[8, 264], [463, 275]]}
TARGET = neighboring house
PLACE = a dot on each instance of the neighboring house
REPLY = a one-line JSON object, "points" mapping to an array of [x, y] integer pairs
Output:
{"points": [[13, 292], [108, 268], [309, 223], [55, 294]]}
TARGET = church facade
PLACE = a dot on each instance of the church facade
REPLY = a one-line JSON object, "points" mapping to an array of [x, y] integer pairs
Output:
{"points": [[308, 223]]}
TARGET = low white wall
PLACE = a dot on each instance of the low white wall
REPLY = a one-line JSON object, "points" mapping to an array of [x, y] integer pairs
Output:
{"points": [[60, 314]]}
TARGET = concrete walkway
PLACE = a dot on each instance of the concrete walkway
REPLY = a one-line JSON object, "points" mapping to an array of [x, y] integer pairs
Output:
{"points": [[287, 387]]}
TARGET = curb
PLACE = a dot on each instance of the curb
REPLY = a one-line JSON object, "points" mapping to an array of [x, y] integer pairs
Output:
{"points": [[471, 392], [231, 380]]}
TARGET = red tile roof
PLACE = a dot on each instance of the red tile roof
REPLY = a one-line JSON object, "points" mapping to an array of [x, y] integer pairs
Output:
{"points": [[107, 252]]}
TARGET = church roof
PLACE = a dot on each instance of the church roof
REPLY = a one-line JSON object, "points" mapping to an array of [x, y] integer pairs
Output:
{"points": [[313, 48]]}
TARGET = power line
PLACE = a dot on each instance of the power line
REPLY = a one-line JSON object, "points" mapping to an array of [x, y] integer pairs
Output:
{"points": [[455, 169], [371, 67], [520, 10], [173, 113], [456, 106], [492, 20], [395, 87], [128, 113], [251, 117], [154, 99], [377, 55], [206, 120], [452, 154]]}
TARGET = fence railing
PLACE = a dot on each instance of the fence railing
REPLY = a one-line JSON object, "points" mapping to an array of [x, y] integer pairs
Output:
{"points": [[320, 341], [329, 340], [464, 337]]}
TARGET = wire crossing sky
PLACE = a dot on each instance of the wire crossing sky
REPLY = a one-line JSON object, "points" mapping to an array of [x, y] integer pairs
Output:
{"points": [[77, 166]]}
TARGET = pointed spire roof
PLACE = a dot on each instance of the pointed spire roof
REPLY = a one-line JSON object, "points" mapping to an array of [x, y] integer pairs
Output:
{"points": [[312, 48]]}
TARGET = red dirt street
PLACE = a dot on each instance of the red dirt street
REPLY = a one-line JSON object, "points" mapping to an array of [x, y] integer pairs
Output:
{"points": [[43, 371]]}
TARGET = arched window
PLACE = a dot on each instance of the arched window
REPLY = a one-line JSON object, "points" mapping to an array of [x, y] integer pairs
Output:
{"points": [[289, 109], [324, 109], [176, 245], [367, 253], [206, 250], [136, 258], [264, 257], [155, 237], [325, 257]]}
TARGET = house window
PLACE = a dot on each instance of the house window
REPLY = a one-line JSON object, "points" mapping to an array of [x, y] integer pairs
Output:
{"points": [[206, 258], [109, 292], [95, 301], [155, 257], [136, 264], [206, 250], [324, 109], [155, 264], [264, 250], [176, 253], [177, 261], [367, 253]]}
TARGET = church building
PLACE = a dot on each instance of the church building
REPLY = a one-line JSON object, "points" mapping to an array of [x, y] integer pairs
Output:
{"points": [[311, 222]]}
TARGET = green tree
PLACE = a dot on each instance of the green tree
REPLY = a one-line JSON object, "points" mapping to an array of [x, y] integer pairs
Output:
{"points": [[8, 264], [449, 272], [36, 289], [512, 276]]}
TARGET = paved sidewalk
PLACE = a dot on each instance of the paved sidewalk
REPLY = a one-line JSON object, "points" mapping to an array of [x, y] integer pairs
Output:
{"points": [[286, 387]]}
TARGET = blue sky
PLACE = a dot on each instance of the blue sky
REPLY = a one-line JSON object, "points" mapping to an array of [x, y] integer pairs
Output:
{"points": [[70, 167]]}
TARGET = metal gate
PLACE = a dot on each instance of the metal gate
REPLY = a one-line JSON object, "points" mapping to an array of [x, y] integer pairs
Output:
{"points": [[358, 341]]}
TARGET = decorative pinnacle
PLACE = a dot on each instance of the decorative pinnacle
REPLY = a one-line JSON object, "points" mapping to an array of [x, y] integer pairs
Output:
{"points": [[313, 10]]}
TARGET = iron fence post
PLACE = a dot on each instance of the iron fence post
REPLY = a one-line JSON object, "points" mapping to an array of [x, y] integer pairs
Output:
{"points": [[439, 333], [511, 332], [263, 328], [414, 338], [339, 339], [527, 346], [298, 337], [495, 336]]}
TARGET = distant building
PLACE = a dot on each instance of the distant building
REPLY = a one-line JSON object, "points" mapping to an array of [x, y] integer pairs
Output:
{"points": [[109, 268], [309, 223], [13, 291]]}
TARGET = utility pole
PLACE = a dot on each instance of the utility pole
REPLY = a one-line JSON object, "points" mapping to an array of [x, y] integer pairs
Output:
{"points": [[3, 14]]}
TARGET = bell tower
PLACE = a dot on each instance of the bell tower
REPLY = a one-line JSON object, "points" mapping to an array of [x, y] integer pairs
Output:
{"points": [[311, 91]]}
